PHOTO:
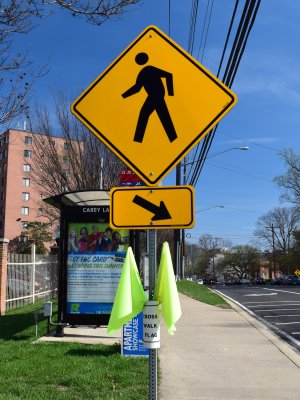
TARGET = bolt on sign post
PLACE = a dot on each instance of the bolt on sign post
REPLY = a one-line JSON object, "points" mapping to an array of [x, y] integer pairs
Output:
{"points": [[153, 104]]}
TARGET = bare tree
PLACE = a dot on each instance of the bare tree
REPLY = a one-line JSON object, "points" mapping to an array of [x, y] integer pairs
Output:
{"points": [[18, 17], [79, 161], [95, 11], [209, 249], [290, 182], [276, 228]]}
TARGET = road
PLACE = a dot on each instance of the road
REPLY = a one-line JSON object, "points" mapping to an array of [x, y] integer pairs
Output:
{"points": [[276, 306]]}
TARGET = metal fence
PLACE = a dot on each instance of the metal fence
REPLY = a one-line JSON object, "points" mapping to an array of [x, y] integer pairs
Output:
{"points": [[30, 277]]}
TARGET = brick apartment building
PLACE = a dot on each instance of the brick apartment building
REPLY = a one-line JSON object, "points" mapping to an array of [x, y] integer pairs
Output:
{"points": [[20, 198]]}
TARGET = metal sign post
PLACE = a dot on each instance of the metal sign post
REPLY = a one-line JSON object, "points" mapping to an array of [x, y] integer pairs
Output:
{"points": [[152, 278]]}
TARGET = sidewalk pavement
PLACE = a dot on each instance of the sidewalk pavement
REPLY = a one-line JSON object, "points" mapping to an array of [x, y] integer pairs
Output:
{"points": [[225, 354], [215, 354]]}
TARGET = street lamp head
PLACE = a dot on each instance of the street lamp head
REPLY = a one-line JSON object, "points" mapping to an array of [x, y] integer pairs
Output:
{"points": [[243, 148]]}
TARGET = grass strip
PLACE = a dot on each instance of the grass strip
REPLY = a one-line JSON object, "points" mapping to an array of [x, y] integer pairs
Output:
{"points": [[201, 293], [63, 371]]}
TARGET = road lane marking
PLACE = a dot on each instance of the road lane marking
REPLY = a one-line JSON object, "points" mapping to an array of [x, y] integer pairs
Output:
{"points": [[280, 309], [275, 305], [286, 323], [281, 315], [271, 302], [260, 294], [295, 333], [284, 291]]}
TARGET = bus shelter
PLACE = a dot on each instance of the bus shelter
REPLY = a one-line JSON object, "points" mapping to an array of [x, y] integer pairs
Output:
{"points": [[91, 256]]}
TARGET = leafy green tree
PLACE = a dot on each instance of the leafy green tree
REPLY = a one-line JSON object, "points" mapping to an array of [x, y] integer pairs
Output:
{"points": [[241, 260], [38, 233]]}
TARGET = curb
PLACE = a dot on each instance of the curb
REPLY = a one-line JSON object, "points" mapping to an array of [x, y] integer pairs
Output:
{"points": [[283, 346]]}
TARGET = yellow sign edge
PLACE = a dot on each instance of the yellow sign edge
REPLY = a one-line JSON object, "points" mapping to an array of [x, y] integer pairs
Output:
{"points": [[191, 224]]}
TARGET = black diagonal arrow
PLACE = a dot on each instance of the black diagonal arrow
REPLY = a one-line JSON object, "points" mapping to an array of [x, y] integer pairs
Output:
{"points": [[160, 212]]}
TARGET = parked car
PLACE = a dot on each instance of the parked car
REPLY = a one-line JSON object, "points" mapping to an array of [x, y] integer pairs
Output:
{"points": [[245, 281], [291, 280], [257, 280], [277, 281], [232, 281], [200, 281], [210, 281]]}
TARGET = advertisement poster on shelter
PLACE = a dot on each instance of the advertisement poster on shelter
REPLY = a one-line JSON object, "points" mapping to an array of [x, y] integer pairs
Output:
{"points": [[96, 254]]}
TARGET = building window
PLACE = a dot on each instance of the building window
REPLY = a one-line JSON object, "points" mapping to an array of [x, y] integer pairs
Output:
{"points": [[24, 224], [2, 195], [26, 182], [26, 167], [28, 140], [5, 152], [40, 196], [66, 146], [53, 142], [5, 139], [25, 211], [40, 211], [24, 239], [4, 167], [3, 181], [25, 196], [27, 153]]}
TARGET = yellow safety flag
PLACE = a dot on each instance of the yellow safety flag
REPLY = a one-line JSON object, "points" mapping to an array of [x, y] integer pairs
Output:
{"points": [[130, 297], [166, 290]]}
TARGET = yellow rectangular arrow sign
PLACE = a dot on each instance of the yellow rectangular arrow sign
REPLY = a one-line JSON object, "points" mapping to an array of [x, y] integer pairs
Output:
{"points": [[152, 208]]}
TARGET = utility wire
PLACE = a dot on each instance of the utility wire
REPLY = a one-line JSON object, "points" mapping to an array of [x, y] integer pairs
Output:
{"points": [[211, 4], [205, 142], [245, 25], [193, 21]]}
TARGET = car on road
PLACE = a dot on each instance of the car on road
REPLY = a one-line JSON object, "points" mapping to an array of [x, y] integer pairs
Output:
{"points": [[291, 280]]}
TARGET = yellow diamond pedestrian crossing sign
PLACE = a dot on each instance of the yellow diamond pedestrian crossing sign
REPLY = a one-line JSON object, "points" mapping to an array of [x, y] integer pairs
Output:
{"points": [[153, 104]]}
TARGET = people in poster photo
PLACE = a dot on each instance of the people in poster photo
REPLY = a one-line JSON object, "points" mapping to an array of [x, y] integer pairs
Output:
{"points": [[73, 244], [83, 239], [88, 237], [104, 241]]}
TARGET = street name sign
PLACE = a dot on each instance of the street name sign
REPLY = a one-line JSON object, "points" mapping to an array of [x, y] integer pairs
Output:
{"points": [[161, 207], [153, 104]]}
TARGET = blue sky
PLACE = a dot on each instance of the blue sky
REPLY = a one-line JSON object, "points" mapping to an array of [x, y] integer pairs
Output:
{"points": [[267, 84]]}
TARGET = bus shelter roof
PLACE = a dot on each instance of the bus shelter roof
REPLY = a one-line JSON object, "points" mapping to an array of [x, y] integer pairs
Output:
{"points": [[80, 198]]}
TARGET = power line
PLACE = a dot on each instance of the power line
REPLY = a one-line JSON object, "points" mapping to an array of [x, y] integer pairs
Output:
{"points": [[239, 172], [205, 29], [252, 142], [245, 25]]}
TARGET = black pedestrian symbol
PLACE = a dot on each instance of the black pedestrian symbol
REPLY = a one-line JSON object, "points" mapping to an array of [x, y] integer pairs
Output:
{"points": [[150, 78]]}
